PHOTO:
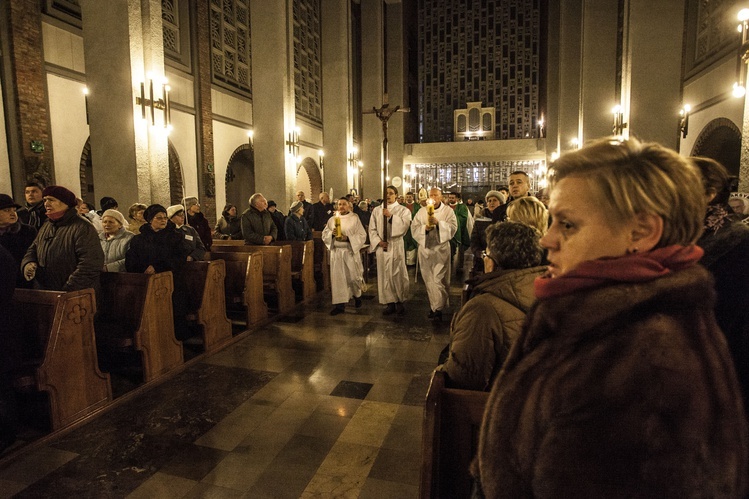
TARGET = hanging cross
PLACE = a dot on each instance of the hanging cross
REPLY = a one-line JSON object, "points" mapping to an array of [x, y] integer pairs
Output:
{"points": [[383, 114]]}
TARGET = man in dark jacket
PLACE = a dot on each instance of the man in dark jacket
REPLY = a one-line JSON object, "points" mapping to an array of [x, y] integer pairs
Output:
{"points": [[66, 254], [257, 222], [321, 212], [15, 236], [33, 213], [197, 221], [279, 219]]}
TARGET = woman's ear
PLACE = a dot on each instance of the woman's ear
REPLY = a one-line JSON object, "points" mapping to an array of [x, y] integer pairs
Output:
{"points": [[710, 195], [647, 231]]}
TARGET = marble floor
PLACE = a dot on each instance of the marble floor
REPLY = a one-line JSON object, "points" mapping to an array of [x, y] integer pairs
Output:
{"points": [[310, 405]]}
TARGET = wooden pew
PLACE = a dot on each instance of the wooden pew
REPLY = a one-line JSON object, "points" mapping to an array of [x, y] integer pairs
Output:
{"points": [[322, 259], [206, 302], [276, 270], [452, 420], [228, 242], [244, 283], [135, 315], [302, 264], [61, 359]]}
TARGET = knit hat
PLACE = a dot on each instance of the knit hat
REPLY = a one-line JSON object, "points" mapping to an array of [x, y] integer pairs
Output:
{"points": [[114, 214], [7, 201], [190, 202], [423, 196], [107, 203], [61, 193], [495, 194], [295, 207], [173, 210], [152, 210], [272, 203]]}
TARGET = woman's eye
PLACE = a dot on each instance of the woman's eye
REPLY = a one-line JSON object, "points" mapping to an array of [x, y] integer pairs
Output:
{"points": [[567, 225]]}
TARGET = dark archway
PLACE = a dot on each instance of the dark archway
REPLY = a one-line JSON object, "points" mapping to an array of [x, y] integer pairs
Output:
{"points": [[88, 194], [721, 141], [315, 179], [240, 177]]}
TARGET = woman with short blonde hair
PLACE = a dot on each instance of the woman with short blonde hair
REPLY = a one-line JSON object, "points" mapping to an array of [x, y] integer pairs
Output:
{"points": [[620, 383], [529, 211]]}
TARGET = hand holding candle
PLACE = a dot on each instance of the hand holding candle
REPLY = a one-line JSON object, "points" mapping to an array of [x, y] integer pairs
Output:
{"points": [[337, 219], [430, 214]]}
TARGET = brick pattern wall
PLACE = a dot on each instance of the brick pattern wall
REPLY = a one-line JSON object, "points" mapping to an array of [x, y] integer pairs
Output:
{"points": [[28, 87], [203, 103]]}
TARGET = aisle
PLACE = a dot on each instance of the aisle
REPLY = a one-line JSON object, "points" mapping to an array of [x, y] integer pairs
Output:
{"points": [[309, 406]]}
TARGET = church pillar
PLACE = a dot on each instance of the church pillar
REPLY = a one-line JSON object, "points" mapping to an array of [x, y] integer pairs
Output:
{"points": [[207, 183], [372, 94], [337, 95], [129, 153], [397, 79], [274, 116]]}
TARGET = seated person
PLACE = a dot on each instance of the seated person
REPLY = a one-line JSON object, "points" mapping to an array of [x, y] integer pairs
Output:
{"points": [[296, 227], [229, 225], [135, 214], [529, 211], [191, 238], [483, 331], [257, 223], [15, 236], [115, 240]]}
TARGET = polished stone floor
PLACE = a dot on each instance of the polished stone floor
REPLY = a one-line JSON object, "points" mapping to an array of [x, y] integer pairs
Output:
{"points": [[308, 406]]}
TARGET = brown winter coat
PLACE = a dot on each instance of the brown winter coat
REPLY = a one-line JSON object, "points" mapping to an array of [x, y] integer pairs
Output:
{"points": [[483, 331], [621, 391]]}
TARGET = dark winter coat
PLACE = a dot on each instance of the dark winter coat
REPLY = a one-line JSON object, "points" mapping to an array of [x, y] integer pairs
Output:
{"points": [[164, 250], [256, 225], [626, 390], [319, 215], [297, 229], [483, 331], [727, 259], [280, 220], [202, 227], [229, 227], [16, 239], [68, 254], [34, 215], [193, 243]]}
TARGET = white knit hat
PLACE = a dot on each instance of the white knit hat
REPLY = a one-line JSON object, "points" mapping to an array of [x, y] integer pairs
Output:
{"points": [[173, 210], [116, 215]]}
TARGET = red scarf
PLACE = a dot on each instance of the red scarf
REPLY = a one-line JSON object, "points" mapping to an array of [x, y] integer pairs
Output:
{"points": [[637, 267], [56, 215]]}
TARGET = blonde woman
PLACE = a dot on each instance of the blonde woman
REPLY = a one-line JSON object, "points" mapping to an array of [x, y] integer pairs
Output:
{"points": [[529, 211]]}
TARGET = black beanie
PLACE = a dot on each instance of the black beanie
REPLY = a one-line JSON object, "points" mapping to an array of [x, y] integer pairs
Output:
{"points": [[152, 210]]}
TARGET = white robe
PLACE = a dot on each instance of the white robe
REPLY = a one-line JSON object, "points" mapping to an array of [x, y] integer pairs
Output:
{"points": [[392, 273], [434, 252], [346, 268]]}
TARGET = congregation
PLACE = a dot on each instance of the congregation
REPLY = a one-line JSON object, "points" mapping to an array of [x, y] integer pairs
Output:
{"points": [[618, 293]]}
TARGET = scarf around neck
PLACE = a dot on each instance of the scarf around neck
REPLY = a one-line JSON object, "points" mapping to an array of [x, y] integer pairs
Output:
{"points": [[637, 267]]}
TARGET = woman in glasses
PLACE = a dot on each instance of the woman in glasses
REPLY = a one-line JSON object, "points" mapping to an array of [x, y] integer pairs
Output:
{"points": [[620, 384]]}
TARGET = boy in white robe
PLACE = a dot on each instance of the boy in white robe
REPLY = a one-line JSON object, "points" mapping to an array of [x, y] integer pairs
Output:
{"points": [[392, 273], [433, 234], [346, 269]]}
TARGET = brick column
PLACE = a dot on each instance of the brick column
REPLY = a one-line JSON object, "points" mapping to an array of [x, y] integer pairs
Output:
{"points": [[27, 91], [204, 114]]}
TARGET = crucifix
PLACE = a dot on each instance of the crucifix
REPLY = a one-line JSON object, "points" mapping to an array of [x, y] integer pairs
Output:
{"points": [[383, 114]]}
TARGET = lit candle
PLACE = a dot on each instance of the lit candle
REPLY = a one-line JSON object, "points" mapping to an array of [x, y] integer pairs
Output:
{"points": [[337, 219], [430, 207]]}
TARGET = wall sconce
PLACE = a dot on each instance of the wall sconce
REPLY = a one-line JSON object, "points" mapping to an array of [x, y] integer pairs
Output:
{"points": [[575, 142], [251, 138], [353, 158], [540, 125], [320, 156], [619, 125], [85, 98], [293, 143], [163, 104], [684, 120], [739, 88]]}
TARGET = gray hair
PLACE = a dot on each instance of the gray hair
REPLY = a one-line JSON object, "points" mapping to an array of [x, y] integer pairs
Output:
{"points": [[254, 197], [514, 245]]}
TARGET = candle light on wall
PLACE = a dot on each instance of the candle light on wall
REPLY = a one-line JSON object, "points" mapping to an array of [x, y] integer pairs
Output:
{"points": [[619, 125], [321, 157], [684, 120], [251, 138]]}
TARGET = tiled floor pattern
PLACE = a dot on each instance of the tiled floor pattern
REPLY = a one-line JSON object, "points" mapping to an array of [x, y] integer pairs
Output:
{"points": [[308, 406]]}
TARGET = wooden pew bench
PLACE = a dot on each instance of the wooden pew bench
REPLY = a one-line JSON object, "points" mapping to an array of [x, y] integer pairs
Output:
{"points": [[206, 302], [276, 271], [452, 420], [135, 316], [243, 285], [322, 261], [302, 265], [60, 356]]}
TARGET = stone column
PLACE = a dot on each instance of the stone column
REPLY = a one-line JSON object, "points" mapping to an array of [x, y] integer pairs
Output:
{"points": [[204, 112], [568, 120], [130, 154], [396, 86], [372, 94], [337, 93], [273, 105], [25, 94]]}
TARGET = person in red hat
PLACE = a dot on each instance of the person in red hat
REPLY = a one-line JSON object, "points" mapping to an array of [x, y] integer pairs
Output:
{"points": [[66, 254]]}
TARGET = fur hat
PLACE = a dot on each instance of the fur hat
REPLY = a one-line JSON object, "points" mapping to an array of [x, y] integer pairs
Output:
{"points": [[295, 207], [61, 193], [495, 194], [191, 201], [173, 210], [107, 203], [7, 201], [152, 210], [114, 214]]}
